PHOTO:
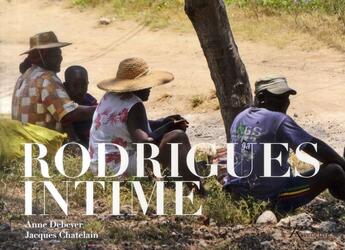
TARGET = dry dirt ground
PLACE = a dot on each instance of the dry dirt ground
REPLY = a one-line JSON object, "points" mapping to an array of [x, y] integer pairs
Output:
{"points": [[318, 76]]}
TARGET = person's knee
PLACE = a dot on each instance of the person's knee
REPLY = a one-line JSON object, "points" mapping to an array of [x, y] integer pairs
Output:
{"points": [[176, 136], [337, 181], [335, 169], [335, 174], [180, 134], [328, 175]]}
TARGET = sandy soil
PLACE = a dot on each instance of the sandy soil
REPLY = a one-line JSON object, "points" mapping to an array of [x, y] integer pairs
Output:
{"points": [[318, 76]]}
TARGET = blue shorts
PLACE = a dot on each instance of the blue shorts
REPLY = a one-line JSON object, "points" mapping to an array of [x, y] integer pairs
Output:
{"points": [[296, 193]]}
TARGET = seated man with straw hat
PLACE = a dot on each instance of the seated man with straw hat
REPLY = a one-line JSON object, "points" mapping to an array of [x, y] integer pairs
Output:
{"points": [[121, 119], [39, 96]]}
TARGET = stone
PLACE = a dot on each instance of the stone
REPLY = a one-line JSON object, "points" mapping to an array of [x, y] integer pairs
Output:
{"points": [[104, 21], [5, 227], [54, 242], [302, 220], [208, 236], [324, 245], [285, 222], [267, 245], [277, 235], [317, 201], [213, 224], [267, 217], [237, 228], [305, 232], [202, 243], [327, 227]]}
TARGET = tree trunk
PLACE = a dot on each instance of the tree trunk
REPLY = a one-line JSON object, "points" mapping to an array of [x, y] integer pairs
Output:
{"points": [[228, 72]]}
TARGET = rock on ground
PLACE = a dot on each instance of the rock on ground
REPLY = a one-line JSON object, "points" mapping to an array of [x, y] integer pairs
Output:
{"points": [[302, 220], [267, 217], [324, 245]]}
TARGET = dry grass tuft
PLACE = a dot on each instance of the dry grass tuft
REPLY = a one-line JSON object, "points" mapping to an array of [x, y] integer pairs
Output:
{"points": [[309, 28]]}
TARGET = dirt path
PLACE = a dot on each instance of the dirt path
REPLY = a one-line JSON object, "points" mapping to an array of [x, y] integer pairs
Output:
{"points": [[319, 76]]}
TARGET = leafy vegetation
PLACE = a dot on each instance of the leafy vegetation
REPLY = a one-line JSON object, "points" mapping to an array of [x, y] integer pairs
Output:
{"points": [[309, 24], [219, 206], [225, 209], [196, 101], [156, 13], [221, 211], [294, 7]]}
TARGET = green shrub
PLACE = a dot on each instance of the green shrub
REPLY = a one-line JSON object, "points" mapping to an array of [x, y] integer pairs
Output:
{"points": [[197, 101], [332, 7], [119, 233], [84, 3], [224, 209]]}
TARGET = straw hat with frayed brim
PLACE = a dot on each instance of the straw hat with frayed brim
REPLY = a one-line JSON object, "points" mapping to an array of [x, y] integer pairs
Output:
{"points": [[134, 74], [45, 40]]}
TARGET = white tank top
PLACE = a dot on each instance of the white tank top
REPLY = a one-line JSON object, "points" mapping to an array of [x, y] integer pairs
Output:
{"points": [[109, 125]]}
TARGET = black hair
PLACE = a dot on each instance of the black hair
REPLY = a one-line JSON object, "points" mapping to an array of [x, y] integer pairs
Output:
{"points": [[71, 70], [25, 65]]}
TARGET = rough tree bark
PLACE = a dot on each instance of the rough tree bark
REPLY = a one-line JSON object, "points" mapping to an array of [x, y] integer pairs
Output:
{"points": [[228, 72]]}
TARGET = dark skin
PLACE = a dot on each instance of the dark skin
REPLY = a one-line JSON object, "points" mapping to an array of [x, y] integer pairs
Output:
{"points": [[175, 133], [76, 84], [52, 61], [331, 175]]}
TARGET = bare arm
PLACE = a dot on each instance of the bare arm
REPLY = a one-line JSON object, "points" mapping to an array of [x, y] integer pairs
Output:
{"points": [[179, 123], [138, 125], [325, 153]]}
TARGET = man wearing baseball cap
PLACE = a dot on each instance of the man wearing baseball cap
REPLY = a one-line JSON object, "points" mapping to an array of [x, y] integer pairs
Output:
{"points": [[267, 122], [39, 96]]}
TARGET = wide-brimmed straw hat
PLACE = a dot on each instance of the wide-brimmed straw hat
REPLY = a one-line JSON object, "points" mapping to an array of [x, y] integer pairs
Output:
{"points": [[134, 74], [45, 40], [274, 84]]}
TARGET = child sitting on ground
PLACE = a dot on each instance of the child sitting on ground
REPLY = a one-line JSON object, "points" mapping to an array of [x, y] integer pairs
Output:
{"points": [[76, 83]]}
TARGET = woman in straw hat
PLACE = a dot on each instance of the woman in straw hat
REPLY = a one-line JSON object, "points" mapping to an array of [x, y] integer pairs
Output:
{"points": [[39, 97], [120, 118]]}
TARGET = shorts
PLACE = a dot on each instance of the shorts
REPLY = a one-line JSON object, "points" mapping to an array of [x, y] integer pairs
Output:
{"points": [[296, 193]]}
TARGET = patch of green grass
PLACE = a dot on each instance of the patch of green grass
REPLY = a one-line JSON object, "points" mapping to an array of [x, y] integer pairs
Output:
{"points": [[119, 233], [225, 209], [94, 226], [206, 102], [5, 116], [307, 24], [156, 14], [218, 205]]}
